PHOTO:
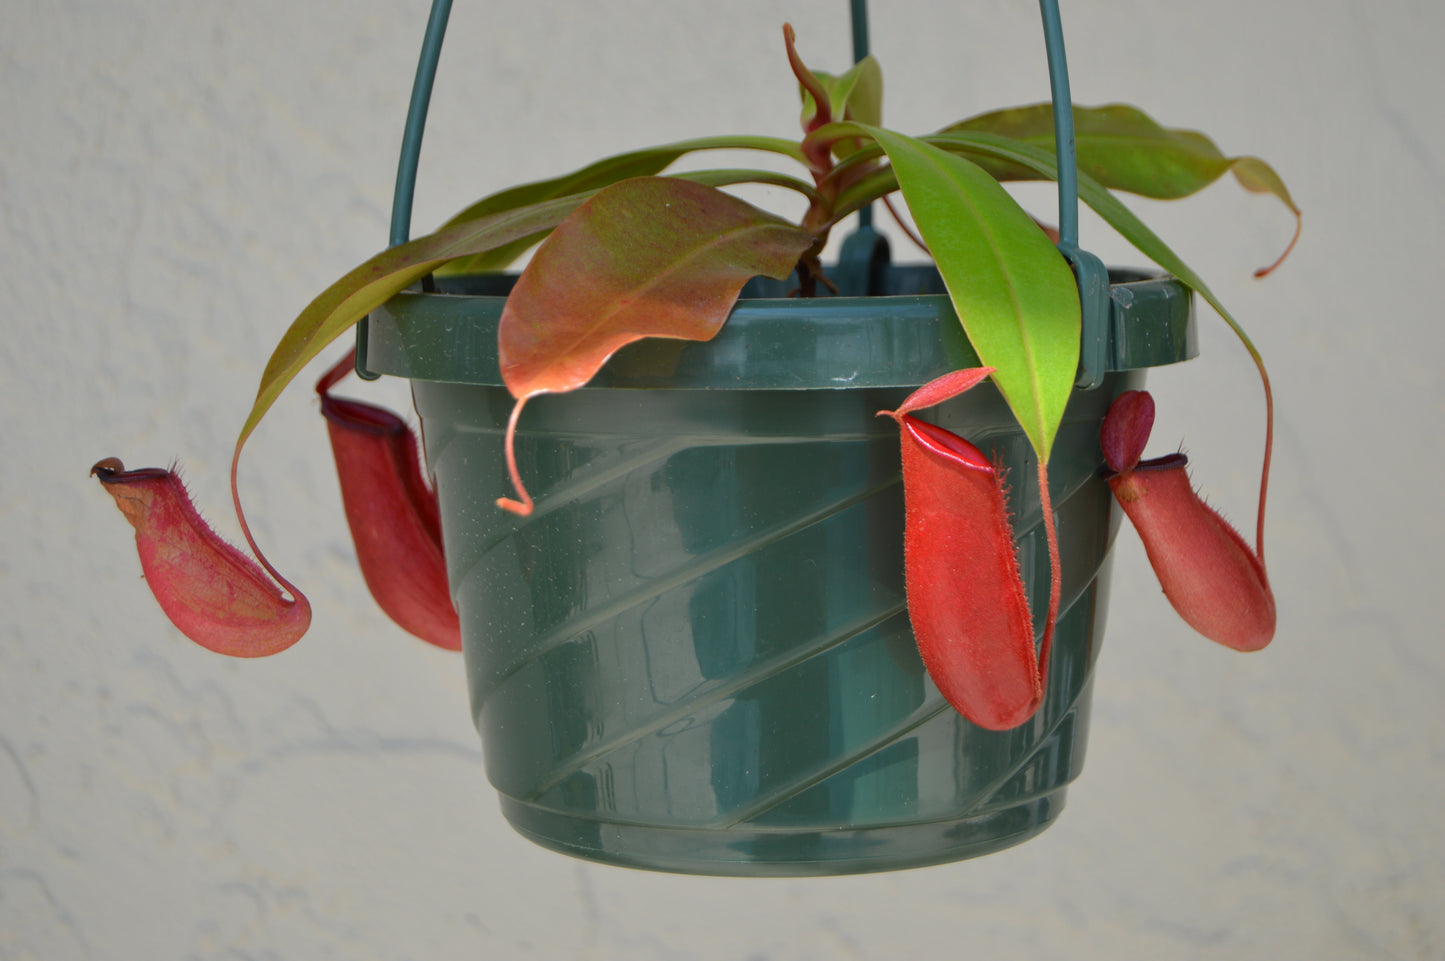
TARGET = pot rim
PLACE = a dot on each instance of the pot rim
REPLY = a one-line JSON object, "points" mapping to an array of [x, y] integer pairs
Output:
{"points": [[903, 338]]}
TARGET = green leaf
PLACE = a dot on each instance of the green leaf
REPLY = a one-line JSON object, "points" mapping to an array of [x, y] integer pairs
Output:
{"points": [[728, 178], [864, 103], [636, 163], [1101, 201], [648, 257], [855, 95], [1123, 148], [1012, 290], [338, 308]]}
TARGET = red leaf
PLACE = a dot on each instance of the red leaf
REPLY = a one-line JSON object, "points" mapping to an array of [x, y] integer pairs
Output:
{"points": [[392, 513], [647, 257], [1126, 429], [938, 390], [217, 596], [966, 600]]}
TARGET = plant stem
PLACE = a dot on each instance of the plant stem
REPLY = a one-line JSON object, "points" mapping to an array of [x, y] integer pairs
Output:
{"points": [[1051, 535]]}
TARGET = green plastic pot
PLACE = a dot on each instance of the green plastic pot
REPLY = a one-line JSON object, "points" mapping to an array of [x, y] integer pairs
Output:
{"points": [[695, 655]]}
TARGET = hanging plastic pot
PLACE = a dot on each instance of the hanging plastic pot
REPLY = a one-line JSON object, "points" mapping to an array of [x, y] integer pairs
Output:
{"points": [[695, 655]]}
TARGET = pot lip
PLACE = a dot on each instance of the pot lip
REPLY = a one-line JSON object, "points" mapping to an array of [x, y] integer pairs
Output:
{"points": [[898, 339]]}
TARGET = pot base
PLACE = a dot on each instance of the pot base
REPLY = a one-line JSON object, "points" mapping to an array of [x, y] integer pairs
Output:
{"points": [[784, 853]]}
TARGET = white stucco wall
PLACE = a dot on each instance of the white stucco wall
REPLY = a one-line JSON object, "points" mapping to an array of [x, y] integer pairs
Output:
{"points": [[178, 179]]}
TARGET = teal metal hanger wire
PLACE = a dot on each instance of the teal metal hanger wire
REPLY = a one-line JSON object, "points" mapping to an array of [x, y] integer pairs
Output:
{"points": [[426, 73], [1063, 123], [405, 192], [1092, 276], [1089, 271], [859, 17], [431, 50]]}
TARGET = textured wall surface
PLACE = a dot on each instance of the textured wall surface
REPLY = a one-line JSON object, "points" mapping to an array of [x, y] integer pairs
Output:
{"points": [[177, 180]]}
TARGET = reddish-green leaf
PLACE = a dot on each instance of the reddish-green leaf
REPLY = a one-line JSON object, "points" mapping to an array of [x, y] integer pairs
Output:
{"points": [[649, 257], [731, 176], [338, 308], [1123, 148], [365, 288], [637, 163]]}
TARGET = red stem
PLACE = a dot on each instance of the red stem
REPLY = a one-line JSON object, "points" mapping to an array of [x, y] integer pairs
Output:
{"points": [[1298, 226], [1264, 468], [246, 531], [1055, 571], [820, 160], [522, 507], [908, 231]]}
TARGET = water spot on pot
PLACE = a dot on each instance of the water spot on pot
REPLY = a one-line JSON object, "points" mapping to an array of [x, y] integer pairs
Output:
{"points": [[678, 726]]}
